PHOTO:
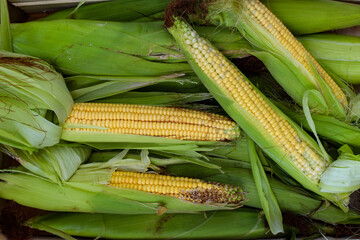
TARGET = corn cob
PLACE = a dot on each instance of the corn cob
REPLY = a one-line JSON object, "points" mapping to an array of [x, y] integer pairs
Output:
{"points": [[284, 141], [155, 121], [183, 188], [284, 56]]}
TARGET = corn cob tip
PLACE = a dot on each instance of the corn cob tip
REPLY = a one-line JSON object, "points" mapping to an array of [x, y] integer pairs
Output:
{"points": [[184, 188], [182, 9]]}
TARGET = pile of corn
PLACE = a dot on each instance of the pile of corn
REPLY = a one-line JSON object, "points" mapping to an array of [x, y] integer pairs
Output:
{"points": [[125, 129]]}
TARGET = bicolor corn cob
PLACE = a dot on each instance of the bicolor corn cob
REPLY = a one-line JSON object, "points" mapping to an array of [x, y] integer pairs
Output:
{"points": [[231, 80], [155, 121], [185, 188], [263, 16]]}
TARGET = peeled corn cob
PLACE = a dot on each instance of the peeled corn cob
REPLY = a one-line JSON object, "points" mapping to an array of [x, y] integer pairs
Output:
{"points": [[145, 120], [183, 188], [284, 141]]}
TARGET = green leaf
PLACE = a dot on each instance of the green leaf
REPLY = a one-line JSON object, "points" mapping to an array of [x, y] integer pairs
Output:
{"points": [[5, 41], [343, 175], [267, 198]]}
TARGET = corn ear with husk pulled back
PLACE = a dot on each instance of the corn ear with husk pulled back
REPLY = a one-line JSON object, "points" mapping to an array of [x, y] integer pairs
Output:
{"points": [[240, 224], [290, 198], [57, 163], [98, 190], [284, 56], [337, 53], [277, 135], [30, 88]]}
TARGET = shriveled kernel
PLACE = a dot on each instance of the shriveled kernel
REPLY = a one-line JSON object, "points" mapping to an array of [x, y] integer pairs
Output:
{"points": [[183, 188]]}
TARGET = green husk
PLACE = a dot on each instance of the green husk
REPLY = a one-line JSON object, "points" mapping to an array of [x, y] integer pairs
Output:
{"points": [[327, 127], [289, 72], [30, 89], [338, 53], [239, 224], [118, 10], [156, 158], [57, 163], [290, 198], [311, 16], [141, 49], [157, 98], [37, 192], [254, 129], [298, 15], [342, 175], [116, 88], [267, 199], [5, 38], [99, 48]]}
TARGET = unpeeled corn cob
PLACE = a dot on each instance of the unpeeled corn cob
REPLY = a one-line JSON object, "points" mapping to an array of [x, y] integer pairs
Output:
{"points": [[112, 120], [82, 55], [119, 10], [239, 224], [284, 56], [297, 15], [99, 48], [285, 142]]}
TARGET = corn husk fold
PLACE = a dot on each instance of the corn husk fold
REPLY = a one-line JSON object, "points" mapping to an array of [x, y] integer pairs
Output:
{"points": [[57, 163], [337, 53], [29, 89], [341, 132]]}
